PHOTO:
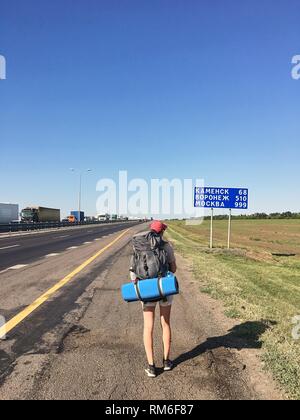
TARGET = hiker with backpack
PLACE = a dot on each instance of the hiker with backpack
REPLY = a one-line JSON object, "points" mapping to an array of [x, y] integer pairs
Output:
{"points": [[153, 257]]}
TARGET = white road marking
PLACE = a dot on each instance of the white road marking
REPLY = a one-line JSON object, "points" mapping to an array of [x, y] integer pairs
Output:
{"points": [[51, 255], [98, 239], [86, 243], [73, 247], [18, 266], [8, 247], [63, 236]]}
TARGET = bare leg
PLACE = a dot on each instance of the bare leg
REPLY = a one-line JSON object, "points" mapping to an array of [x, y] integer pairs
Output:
{"points": [[165, 314], [149, 316]]}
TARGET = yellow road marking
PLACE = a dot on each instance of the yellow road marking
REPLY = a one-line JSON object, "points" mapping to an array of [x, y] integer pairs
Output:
{"points": [[6, 328]]}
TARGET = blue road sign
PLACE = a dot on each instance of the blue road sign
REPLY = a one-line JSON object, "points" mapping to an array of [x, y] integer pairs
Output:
{"points": [[221, 198]]}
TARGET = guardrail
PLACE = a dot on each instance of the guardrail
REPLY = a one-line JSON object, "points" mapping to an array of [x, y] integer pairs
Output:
{"points": [[24, 227]]}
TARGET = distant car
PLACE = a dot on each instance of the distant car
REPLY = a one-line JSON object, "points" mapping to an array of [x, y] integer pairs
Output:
{"points": [[65, 220], [103, 217]]}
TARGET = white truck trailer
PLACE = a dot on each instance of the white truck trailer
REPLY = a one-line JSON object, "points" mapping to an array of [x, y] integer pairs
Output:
{"points": [[8, 213]]}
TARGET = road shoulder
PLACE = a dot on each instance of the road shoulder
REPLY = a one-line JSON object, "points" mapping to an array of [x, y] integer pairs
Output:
{"points": [[100, 354]]}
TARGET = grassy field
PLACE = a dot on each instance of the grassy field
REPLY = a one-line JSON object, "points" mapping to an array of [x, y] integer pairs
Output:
{"points": [[254, 284]]}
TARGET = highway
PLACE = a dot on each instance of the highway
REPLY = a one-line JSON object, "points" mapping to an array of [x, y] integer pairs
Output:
{"points": [[70, 335], [22, 249]]}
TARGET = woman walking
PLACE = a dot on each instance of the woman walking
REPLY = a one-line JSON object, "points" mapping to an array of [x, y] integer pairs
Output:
{"points": [[154, 257]]}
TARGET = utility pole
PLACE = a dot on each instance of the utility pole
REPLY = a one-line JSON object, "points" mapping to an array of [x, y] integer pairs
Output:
{"points": [[80, 185]]}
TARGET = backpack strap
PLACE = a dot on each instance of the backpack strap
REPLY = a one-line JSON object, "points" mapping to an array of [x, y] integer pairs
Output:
{"points": [[163, 297], [146, 268], [137, 289]]}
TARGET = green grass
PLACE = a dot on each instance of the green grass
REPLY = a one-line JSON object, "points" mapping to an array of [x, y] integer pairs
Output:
{"points": [[254, 285], [278, 236]]}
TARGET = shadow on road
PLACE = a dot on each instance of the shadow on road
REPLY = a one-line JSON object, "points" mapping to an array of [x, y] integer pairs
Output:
{"points": [[244, 336]]}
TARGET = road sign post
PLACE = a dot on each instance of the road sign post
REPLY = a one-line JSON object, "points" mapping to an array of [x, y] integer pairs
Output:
{"points": [[211, 229], [229, 229]]}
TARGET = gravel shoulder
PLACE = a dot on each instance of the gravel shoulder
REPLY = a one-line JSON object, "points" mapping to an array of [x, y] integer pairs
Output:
{"points": [[97, 351]]}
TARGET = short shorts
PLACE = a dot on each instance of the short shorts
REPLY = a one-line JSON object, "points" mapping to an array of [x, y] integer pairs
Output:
{"points": [[162, 303]]}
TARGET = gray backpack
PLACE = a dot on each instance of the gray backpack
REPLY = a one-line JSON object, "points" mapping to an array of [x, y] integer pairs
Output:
{"points": [[150, 258]]}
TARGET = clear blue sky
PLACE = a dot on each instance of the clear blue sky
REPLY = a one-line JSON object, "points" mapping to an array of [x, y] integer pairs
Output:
{"points": [[162, 88]]}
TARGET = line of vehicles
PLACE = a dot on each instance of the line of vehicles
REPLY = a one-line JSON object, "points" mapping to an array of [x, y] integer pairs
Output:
{"points": [[9, 213]]}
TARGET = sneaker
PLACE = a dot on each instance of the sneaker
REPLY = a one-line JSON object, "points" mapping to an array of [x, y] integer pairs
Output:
{"points": [[151, 371], [168, 365]]}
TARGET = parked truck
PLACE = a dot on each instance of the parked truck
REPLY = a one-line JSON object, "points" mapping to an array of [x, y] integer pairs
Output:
{"points": [[79, 215], [36, 214], [9, 213], [71, 219]]}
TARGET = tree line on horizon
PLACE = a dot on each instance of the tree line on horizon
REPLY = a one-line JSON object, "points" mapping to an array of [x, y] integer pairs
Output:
{"points": [[283, 215]]}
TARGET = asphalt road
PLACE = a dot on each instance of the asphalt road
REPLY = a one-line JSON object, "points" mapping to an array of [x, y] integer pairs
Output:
{"points": [[84, 342], [23, 249]]}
